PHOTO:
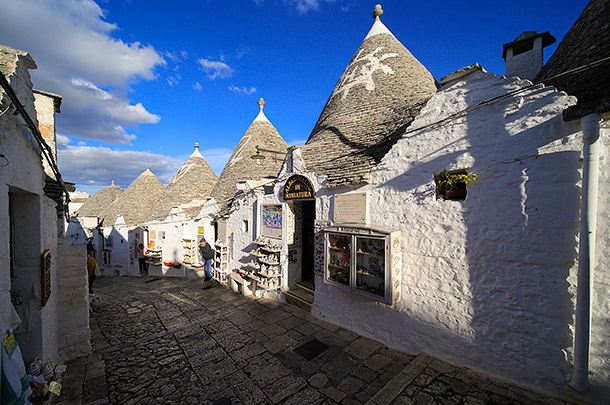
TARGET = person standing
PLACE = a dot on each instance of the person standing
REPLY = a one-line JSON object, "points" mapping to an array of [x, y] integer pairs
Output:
{"points": [[91, 265], [207, 254], [142, 260]]}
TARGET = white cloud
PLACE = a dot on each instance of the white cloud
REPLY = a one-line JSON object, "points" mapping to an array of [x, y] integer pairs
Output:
{"points": [[215, 69], [172, 80], [243, 90], [78, 58], [98, 166], [197, 86], [302, 6]]}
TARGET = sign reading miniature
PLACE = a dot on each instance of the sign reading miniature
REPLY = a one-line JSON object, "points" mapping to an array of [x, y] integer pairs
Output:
{"points": [[350, 208], [272, 221], [298, 187]]}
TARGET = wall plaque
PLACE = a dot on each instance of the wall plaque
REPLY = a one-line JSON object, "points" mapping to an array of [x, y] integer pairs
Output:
{"points": [[350, 208], [298, 187]]}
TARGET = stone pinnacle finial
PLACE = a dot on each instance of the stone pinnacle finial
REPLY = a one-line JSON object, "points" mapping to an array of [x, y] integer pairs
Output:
{"points": [[147, 167], [113, 182], [378, 12], [196, 145], [261, 103]]}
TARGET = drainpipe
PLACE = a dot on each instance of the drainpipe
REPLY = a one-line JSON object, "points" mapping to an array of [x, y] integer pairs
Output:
{"points": [[586, 252]]}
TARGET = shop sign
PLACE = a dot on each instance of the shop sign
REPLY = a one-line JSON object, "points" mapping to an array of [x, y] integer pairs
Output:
{"points": [[298, 187]]}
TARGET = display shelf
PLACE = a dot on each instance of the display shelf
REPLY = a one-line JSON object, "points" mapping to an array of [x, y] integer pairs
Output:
{"points": [[364, 260], [221, 263], [154, 256], [189, 251], [267, 265]]}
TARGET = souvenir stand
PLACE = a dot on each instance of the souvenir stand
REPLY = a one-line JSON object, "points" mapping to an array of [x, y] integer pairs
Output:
{"points": [[221, 263]]}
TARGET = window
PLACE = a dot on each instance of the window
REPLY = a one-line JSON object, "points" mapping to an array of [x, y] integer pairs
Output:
{"points": [[106, 258], [244, 225]]}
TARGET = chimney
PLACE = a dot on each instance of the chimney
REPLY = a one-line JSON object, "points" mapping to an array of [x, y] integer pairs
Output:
{"points": [[47, 105], [524, 55]]}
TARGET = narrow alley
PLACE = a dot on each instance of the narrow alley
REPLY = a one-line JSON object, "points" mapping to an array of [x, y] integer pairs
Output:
{"points": [[170, 340]]}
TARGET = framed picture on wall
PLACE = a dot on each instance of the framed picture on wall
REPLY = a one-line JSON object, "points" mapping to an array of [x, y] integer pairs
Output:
{"points": [[271, 221]]}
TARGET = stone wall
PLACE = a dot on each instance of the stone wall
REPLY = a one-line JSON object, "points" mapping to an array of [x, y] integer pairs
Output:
{"points": [[74, 336], [600, 322], [485, 280]]}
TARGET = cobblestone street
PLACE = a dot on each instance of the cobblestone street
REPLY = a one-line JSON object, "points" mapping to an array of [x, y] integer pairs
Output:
{"points": [[168, 340]]}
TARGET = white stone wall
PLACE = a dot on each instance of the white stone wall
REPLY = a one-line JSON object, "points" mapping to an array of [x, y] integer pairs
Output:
{"points": [[74, 335], [49, 313], [120, 260], [22, 173], [600, 322], [243, 209], [484, 280]]}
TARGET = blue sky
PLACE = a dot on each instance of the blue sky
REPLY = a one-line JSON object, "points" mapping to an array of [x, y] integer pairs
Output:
{"points": [[143, 80]]}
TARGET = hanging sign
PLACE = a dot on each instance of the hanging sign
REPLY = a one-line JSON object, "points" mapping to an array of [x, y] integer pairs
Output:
{"points": [[298, 187]]}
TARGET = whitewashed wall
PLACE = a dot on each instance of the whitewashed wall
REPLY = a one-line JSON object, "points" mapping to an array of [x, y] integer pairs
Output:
{"points": [[73, 338], [177, 227], [23, 158], [243, 209], [49, 313], [120, 260], [485, 279], [600, 332]]}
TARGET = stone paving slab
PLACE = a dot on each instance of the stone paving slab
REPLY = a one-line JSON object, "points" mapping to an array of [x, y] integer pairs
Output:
{"points": [[179, 341]]}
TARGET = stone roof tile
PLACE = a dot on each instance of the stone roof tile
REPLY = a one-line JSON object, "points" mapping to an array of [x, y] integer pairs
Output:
{"points": [[377, 97], [189, 188], [587, 42], [241, 167]]}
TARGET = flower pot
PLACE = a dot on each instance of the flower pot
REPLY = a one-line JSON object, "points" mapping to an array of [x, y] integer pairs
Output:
{"points": [[455, 194]]}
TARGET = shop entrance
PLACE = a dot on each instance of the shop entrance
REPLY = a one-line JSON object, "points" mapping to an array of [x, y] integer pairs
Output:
{"points": [[308, 217]]}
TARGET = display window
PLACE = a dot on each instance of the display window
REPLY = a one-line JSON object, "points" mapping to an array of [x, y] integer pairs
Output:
{"points": [[339, 258], [364, 260]]}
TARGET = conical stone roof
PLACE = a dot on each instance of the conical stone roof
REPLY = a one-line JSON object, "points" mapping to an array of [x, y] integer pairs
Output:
{"points": [[242, 167], [377, 97], [587, 43], [101, 203], [188, 189], [137, 200]]}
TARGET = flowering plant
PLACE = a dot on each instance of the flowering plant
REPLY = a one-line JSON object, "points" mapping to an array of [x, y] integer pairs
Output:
{"points": [[453, 181]]}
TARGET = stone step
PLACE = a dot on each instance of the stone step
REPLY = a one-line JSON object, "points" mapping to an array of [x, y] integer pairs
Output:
{"points": [[300, 297]]}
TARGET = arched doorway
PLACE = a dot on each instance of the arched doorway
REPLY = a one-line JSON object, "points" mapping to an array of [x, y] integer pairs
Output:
{"points": [[299, 193]]}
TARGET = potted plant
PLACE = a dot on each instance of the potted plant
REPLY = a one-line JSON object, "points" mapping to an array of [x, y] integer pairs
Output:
{"points": [[453, 183]]}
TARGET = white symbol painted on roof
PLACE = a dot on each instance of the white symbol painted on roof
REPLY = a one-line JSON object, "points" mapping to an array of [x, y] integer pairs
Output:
{"points": [[361, 72]]}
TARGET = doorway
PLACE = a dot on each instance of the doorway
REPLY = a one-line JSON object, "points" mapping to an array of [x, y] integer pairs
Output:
{"points": [[308, 217]]}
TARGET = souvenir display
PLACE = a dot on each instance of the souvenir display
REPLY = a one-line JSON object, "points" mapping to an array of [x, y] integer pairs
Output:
{"points": [[154, 256], [221, 262], [267, 263], [361, 259]]}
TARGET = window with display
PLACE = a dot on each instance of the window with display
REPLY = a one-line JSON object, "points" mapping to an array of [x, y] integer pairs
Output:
{"points": [[339, 258], [364, 260]]}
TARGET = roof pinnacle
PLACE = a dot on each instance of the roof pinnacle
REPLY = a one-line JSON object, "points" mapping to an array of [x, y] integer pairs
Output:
{"points": [[196, 145], [261, 103], [378, 12], [113, 182]]}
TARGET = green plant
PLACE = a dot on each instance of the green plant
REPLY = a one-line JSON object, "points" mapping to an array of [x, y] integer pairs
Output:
{"points": [[453, 181]]}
